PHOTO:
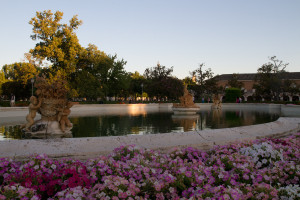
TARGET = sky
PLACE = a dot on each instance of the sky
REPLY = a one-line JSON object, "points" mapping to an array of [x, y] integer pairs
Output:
{"points": [[229, 36]]}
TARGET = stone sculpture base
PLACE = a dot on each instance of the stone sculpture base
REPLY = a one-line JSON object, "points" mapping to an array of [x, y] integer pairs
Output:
{"points": [[185, 111], [47, 129]]}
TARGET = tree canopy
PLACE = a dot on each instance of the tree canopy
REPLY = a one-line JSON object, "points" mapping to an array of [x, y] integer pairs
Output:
{"points": [[161, 84], [57, 42], [206, 83], [270, 79]]}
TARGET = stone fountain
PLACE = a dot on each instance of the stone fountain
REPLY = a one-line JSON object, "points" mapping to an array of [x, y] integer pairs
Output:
{"points": [[52, 104], [186, 105]]}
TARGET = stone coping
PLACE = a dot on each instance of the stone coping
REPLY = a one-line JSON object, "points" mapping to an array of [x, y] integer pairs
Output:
{"points": [[84, 148]]}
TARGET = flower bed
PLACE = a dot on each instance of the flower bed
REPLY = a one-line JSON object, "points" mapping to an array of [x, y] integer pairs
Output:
{"points": [[262, 169]]}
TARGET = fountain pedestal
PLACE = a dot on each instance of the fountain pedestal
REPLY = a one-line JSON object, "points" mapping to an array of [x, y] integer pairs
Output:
{"points": [[47, 129], [185, 111], [186, 105]]}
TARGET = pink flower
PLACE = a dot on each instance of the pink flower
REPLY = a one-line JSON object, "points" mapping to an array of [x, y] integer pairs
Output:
{"points": [[246, 177], [259, 178], [233, 182]]}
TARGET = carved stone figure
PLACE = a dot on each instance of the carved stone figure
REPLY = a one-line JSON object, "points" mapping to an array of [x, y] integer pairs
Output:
{"points": [[186, 101], [53, 106], [186, 105], [34, 105], [63, 117]]}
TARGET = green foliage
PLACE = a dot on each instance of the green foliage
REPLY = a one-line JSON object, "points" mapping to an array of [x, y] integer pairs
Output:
{"points": [[160, 83], [2, 80], [58, 42], [99, 75], [206, 84], [231, 94], [270, 79], [188, 81], [17, 88], [20, 72], [137, 83], [4, 104]]}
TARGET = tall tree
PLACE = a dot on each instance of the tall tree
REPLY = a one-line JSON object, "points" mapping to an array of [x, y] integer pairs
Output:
{"points": [[2, 80], [157, 73], [58, 42], [201, 75], [104, 73], [136, 84], [270, 79], [21, 72], [206, 84], [160, 83], [189, 81]]}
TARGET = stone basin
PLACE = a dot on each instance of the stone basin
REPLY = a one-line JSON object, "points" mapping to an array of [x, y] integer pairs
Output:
{"points": [[185, 111]]}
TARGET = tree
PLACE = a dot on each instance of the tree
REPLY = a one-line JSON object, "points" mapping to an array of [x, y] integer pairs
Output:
{"points": [[2, 80], [87, 85], [234, 81], [85, 81], [290, 87], [159, 83], [58, 42], [188, 81], [270, 79], [21, 72], [201, 75], [104, 73], [157, 73], [17, 88], [206, 84], [136, 84], [173, 87]]}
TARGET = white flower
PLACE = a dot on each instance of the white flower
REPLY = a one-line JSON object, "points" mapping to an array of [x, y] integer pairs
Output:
{"points": [[53, 166], [292, 190], [264, 161], [12, 170]]}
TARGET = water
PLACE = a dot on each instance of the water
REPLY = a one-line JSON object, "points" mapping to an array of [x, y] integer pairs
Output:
{"points": [[153, 123]]}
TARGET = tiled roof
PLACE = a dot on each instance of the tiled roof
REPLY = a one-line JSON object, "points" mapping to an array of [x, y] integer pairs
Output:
{"points": [[251, 76]]}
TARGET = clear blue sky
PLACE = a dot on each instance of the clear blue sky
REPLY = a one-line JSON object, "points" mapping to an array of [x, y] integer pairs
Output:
{"points": [[232, 36]]}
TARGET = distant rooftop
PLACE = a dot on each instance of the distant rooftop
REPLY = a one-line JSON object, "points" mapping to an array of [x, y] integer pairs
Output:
{"points": [[251, 76]]}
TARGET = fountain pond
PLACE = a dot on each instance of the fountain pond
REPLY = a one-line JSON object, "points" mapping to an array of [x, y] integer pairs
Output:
{"points": [[161, 121]]}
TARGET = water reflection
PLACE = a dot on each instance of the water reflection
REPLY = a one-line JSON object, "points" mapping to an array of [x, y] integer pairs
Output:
{"points": [[152, 123], [187, 122]]}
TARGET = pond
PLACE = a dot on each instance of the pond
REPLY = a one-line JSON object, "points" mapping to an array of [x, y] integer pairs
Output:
{"points": [[153, 123]]}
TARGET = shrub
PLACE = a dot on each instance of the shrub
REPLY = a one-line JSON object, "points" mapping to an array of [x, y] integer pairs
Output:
{"points": [[231, 94]]}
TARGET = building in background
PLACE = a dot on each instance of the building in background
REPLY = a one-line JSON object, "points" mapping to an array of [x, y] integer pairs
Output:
{"points": [[248, 81]]}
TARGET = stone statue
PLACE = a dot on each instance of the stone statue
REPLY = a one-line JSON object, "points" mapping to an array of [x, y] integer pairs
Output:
{"points": [[34, 105], [186, 105], [216, 102], [186, 101], [51, 102], [63, 117]]}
